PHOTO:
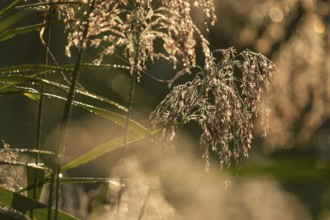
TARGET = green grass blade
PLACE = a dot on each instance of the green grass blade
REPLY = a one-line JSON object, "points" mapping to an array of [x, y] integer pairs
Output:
{"points": [[24, 164], [10, 76], [26, 150], [114, 117], [109, 115], [11, 81], [31, 68], [8, 34], [26, 91], [84, 93], [33, 97], [66, 68], [16, 90], [11, 7], [106, 148], [78, 180], [25, 205]]}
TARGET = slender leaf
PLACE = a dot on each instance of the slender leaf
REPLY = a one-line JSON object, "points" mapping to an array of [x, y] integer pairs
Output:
{"points": [[11, 77], [78, 180], [14, 81], [24, 164], [25, 205], [25, 150], [12, 20], [109, 115], [32, 96], [31, 68], [66, 68], [114, 117], [8, 34], [18, 90], [11, 7], [106, 148]]}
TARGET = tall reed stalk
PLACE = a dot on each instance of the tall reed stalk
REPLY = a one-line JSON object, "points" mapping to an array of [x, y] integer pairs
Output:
{"points": [[67, 112], [47, 31]]}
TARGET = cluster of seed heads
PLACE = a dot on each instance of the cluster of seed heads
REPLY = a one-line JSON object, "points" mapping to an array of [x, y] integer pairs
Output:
{"points": [[131, 28], [222, 104]]}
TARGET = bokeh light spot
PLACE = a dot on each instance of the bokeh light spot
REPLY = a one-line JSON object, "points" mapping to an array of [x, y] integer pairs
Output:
{"points": [[318, 26], [276, 14]]}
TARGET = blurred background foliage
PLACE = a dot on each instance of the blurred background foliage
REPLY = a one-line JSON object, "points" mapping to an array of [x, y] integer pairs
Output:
{"points": [[294, 34]]}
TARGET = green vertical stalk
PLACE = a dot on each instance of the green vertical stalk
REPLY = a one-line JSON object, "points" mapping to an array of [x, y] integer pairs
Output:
{"points": [[134, 75], [130, 105], [128, 117], [67, 113], [50, 197], [40, 107], [132, 83], [40, 114]]}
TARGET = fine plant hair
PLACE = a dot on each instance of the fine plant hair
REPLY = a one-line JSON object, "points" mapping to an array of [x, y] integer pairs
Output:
{"points": [[222, 98], [224, 112]]}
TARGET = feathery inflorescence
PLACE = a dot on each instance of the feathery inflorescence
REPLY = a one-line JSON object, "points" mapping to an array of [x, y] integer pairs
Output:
{"points": [[224, 112], [133, 27]]}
